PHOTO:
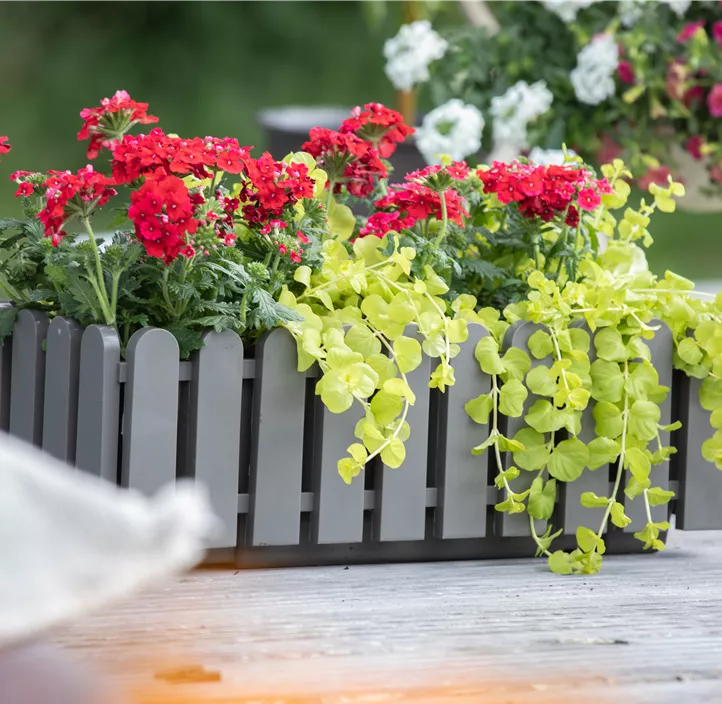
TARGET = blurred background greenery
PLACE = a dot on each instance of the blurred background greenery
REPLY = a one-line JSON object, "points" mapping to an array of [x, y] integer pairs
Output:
{"points": [[208, 68]]}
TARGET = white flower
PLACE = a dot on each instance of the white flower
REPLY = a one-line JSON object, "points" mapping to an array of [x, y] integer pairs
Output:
{"points": [[679, 7], [630, 12], [410, 52], [566, 10], [593, 77], [453, 129], [505, 151], [512, 111], [548, 157]]}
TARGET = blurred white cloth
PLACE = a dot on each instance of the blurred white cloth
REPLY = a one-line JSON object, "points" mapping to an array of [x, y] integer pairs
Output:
{"points": [[71, 543]]}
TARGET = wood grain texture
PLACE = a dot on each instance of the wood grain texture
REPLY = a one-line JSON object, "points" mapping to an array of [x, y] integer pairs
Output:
{"points": [[647, 629]]}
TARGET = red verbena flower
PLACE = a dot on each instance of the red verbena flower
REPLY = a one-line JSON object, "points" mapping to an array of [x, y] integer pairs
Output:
{"points": [[110, 121], [408, 203], [381, 126], [544, 191], [162, 212], [347, 159], [24, 190], [4, 146], [67, 194], [658, 175]]}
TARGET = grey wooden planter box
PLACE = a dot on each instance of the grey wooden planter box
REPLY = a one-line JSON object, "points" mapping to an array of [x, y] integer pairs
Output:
{"points": [[254, 432]]}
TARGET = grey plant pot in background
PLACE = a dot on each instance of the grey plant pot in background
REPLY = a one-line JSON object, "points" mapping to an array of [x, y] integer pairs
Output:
{"points": [[287, 129], [253, 431]]}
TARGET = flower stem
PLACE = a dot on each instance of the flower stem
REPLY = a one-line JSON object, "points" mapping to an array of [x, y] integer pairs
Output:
{"points": [[108, 312], [329, 199], [442, 234]]}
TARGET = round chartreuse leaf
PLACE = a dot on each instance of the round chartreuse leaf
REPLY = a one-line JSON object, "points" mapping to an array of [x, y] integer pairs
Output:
{"points": [[568, 460]]}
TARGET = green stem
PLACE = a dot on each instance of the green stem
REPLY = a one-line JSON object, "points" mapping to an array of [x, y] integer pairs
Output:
{"points": [[442, 234], [620, 467], [274, 268], [534, 535], [100, 288], [329, 198], [114, 292]]}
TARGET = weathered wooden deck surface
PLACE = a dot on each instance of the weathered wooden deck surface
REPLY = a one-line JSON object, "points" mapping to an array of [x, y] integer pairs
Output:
{"points": [[648, 629]]}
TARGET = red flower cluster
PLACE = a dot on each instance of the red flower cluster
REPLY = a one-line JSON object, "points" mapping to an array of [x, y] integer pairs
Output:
{"points": [[4, 146], [67, 193], [377, 124], [157, 153], [544, 191], [409, 203], [347, 159], [115, 116], [162, 213], [271, 186]]}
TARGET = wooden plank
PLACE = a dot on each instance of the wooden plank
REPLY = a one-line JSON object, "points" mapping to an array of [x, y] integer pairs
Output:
{"points": [[338, 508], [27, 386], [150, 423], [62, 372], [400, 512], [215, 427], [99, 403], [700, 482], [462, 478], [571, 510], [277, 442], [662, 348], [518, 524], [644, 630], [6, 359]]}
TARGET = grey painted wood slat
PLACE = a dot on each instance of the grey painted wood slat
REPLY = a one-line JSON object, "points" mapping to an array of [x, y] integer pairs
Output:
{"points": [[338, 508], [150, 423], [661, 347], [462, 478], [6, 358], [215, 427], [99, 403], [400, 512], [62, 372], [700, 482], [597, 481], [277, 442], [518, 524], [27, 387]]}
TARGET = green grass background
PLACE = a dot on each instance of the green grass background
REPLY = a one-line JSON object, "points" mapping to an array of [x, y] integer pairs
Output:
{"points": [[208, 68]]}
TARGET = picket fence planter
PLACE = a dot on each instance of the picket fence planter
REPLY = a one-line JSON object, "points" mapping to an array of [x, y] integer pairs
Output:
{"points": [[252, 429]]}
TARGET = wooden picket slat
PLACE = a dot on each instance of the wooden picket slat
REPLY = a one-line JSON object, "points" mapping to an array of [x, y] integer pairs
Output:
{"points": [[462, 478], [573, 514], [150, 423], [27, 386], [6, 358], [700, 482], [338, 508], [518, 524], [62, 372], [215, 427], [661, 347], [400, 503], [276, 442], [99, 403]]}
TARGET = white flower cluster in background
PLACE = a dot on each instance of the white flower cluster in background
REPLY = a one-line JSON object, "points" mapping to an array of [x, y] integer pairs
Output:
{"points": [[566, 10], [452, 129], [548, 157], [593, 77], [512, 112], [679, 7], [409, 54], [630, 11]]}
